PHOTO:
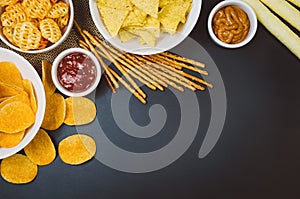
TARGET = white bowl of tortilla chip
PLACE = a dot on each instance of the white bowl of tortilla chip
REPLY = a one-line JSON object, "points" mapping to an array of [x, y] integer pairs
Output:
{"points": [[120, 20]]}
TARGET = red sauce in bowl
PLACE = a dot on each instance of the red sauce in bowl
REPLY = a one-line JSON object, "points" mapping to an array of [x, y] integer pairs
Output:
{"points": [[76, 72]]}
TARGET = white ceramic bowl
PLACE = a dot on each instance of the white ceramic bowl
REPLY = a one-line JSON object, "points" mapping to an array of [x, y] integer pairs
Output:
{"points": [[164, 42], [55, 67], [27, 72], [65, 33], [251, 15]]}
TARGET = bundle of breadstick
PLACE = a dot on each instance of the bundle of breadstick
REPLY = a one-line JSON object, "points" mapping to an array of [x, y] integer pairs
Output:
{"points": [[155, 71]]}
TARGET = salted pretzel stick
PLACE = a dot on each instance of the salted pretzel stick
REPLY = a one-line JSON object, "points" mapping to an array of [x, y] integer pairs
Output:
{"points": [[109, 83], [174, 76], [160, 58], [184, 74], [161, 75], [134, 92], [113, 80], [119, 67], [183, 59], [160, 61], [138, 65]]}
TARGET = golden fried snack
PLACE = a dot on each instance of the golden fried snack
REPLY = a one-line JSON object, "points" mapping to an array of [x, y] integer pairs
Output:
{"points": [[27, 36], [50, 30], [41, 150], [18, 169], [37, 8], [58, 10], [14, 14], [77, 149], [7, 2], [8, 140], [62, 21]]}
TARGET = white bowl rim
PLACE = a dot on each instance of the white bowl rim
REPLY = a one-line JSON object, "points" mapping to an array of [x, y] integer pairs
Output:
{"points": [[143, 49], [253, 23], [53, 46], [41, 100], [54, 72]]}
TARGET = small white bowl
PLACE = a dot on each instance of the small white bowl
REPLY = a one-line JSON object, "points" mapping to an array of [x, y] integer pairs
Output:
{"points": [[27, 72], [164, 42], [55, 65], [65, 32], [248, 10]]}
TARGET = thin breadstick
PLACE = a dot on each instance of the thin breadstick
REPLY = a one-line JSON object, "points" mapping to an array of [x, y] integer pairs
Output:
{"points": [[134, 92], [109, 83], [197, 79], [160, 61], [183, 59], [119, 67], [174, 63]]}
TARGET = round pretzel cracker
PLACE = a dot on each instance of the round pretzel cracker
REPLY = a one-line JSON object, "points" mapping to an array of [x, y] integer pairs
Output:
{"points": [[58, 10], [14, 14], [50, 30], [27, 36], [37, 8]]}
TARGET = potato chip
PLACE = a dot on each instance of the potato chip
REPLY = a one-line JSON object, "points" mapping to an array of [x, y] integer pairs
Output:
{"points": [[18, 169], [37, 8], [15, 14], [8, 140], [50, 30], [125, 35], [116, 4], [148, 6], [55, 112], [21, 97], [7, 2], [3, 99], [46, 78], [58, 10], [27, 36], [79, 111], [41, 150], [113, 19], [15, 117], [30, 91], [10, 74], [7, 90], [77, 149]]}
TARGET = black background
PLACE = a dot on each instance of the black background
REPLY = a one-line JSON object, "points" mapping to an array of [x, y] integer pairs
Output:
{"points": [[257, 155]]}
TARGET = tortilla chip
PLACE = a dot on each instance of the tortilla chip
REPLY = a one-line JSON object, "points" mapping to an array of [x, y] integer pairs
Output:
{"points": [[8, 140], [125, 35], [77, 149], [18, 169], [148, 6], [113, 19], [41, 150], [55, 112], [79, 111], [147, 36], [116, 4], [135, 18]]}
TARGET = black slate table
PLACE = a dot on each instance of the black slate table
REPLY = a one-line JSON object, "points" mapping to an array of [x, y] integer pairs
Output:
{"points": [[256, 156]]}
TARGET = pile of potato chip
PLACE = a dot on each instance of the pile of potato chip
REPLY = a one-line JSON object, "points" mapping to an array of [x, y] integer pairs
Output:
{"points": [[145, 19], [33, 24], [70, 111], [17, 105]]}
